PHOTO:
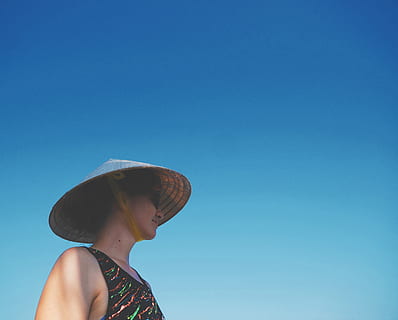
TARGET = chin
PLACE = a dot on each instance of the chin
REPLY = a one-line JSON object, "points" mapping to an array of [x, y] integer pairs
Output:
{"points": [[150, 236]]}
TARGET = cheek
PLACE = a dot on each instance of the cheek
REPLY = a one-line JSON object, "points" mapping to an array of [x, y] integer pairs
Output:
{"points": [[142, 209], [143, 212]]}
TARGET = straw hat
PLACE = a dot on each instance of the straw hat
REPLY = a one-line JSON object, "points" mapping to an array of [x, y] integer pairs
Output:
{"points": [[74, 216]]}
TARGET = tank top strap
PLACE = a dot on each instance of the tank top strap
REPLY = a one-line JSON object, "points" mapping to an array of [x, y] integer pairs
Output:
{"points": [[108, 267]]}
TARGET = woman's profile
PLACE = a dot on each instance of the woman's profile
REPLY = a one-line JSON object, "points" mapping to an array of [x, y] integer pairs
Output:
{"points": [[121, 203]]}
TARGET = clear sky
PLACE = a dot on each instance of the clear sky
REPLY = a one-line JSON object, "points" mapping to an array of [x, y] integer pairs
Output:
{"points": [[283, 114]]}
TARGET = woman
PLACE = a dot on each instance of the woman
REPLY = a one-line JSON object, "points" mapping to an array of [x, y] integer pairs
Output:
{"points": [[122, 202]]}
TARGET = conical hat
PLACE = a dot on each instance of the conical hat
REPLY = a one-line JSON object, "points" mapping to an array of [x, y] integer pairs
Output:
{"points": [[65, 215]]}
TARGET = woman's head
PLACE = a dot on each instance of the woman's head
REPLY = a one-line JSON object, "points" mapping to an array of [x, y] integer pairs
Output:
{"points": [[103, 197], [83, 210]]}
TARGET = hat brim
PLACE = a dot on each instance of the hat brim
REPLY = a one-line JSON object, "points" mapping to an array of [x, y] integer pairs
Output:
{"points": [[174, 194]]}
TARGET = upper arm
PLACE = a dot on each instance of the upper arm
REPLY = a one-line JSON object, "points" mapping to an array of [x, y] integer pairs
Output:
{"points": [[69, 290]]}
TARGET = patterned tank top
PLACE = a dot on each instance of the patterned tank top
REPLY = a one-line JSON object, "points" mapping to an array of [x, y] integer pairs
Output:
{"points": [[128, 299]]}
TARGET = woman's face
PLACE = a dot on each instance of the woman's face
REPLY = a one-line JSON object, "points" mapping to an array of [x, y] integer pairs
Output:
{"points": [[145, 214]]}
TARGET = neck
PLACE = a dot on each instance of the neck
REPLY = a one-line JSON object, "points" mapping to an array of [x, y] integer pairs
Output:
{"points": [[116, 241]]}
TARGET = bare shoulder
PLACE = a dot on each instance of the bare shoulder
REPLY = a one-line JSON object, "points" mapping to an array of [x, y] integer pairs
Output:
{"points": [[73, 284], [79, 267], [75, 257], [74, 262], [75, 253]]}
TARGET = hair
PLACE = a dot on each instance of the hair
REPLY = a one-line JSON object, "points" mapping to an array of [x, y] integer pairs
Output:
{"points": [[99, 197]]}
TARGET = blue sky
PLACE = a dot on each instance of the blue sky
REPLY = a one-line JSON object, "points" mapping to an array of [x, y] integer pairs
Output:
{"points": [[283, 115]]}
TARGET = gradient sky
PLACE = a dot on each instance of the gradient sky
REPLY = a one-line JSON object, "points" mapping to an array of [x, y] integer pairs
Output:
{"points": [[283, 114]]}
